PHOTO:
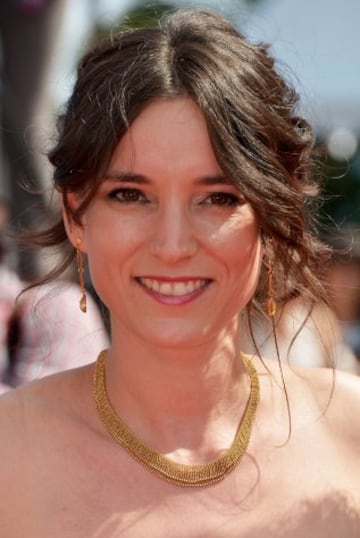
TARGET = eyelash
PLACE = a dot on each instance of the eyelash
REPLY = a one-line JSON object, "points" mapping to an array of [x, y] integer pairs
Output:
{"points": [[135, 196], [229, 198]]}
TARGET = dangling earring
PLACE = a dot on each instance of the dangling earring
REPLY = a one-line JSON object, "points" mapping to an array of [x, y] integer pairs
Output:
{"points": [[80, 268], [271, 303]]}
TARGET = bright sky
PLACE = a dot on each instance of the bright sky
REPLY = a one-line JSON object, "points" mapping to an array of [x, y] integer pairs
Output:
{"points": [[320, 41]]}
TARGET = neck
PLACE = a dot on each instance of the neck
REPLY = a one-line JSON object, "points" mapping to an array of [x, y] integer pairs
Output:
{"points": [[179, 380], [162, 392], [194, 475]]}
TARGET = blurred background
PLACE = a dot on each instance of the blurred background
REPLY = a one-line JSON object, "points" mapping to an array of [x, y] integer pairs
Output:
{"points": [[316, 45]]}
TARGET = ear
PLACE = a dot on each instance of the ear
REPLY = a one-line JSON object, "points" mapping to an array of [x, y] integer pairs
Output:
{"points": [[74, 229]]}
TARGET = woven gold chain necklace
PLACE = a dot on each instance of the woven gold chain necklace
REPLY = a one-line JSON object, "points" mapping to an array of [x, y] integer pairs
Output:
{"points": [[177, 473]]}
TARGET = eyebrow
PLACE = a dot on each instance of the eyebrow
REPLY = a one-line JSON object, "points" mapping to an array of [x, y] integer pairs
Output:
{"points": [[127, 177], [132, 177], [219, 179]]}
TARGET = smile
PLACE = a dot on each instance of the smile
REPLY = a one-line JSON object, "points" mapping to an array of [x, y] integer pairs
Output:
{"points": [[173, 288]]}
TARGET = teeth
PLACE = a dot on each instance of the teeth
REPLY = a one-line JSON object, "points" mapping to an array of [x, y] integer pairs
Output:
{"points": [[153, 284], [166, 288], [172, 288]]}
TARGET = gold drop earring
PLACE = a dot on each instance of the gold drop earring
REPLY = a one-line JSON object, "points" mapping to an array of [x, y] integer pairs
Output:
{"points": [[271, 303], [80, 269]]}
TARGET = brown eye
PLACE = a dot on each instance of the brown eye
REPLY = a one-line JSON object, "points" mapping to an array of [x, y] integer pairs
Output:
{"points": [[223, 199], [128, 196]]}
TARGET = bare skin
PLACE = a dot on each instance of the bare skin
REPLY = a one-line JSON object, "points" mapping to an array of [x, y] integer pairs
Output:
{"points": [[175, 253], [64, 476]]}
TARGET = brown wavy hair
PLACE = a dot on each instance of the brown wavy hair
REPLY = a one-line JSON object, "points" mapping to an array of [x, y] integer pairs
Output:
{"points": [[259, 140]]}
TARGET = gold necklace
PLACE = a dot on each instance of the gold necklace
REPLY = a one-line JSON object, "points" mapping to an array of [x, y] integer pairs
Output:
{"points": [[177, 473]]}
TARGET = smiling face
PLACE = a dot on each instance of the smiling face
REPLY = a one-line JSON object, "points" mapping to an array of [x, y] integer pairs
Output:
{"points": [[173, 248]]}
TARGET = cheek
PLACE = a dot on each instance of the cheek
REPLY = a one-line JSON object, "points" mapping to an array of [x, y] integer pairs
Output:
{"points": [[245, 264], [238, 244], [111, 234], [241, 252], [109, 243]]}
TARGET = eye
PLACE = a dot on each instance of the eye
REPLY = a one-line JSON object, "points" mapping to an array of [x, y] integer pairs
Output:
{"points": [[128, 196], [223, 199]]}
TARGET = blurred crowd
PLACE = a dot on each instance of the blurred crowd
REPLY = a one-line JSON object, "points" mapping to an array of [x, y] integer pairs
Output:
{"points": [[42, 330]]}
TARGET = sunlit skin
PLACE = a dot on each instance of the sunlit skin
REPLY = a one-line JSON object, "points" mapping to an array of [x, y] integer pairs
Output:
{"points": [[175, 253], [164, 213]]}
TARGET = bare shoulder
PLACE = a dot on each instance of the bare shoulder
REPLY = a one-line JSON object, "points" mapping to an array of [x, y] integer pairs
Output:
{"points": [[28, 412], [343, 409], [11, 422], [336, 395], [330, 397], [36, 422], [32, 401]]}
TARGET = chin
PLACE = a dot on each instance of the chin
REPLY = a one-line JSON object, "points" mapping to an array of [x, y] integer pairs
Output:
{"points": [[175, 335]]}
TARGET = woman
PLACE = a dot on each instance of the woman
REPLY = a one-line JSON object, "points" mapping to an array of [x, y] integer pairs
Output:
{"points": [[184, 173]]}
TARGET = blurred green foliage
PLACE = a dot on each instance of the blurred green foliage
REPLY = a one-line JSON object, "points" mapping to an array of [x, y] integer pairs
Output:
{"points": [[138, 17], [145, 15]]}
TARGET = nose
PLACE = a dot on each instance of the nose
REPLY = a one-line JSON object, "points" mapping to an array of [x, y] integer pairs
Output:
{"points": [[173, 238]]}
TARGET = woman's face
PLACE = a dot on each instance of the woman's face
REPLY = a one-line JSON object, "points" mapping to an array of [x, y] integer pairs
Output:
{"points": [[173, 247]]}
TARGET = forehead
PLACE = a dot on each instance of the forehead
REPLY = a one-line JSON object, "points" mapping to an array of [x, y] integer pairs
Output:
{"points": [[168, 134]]}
